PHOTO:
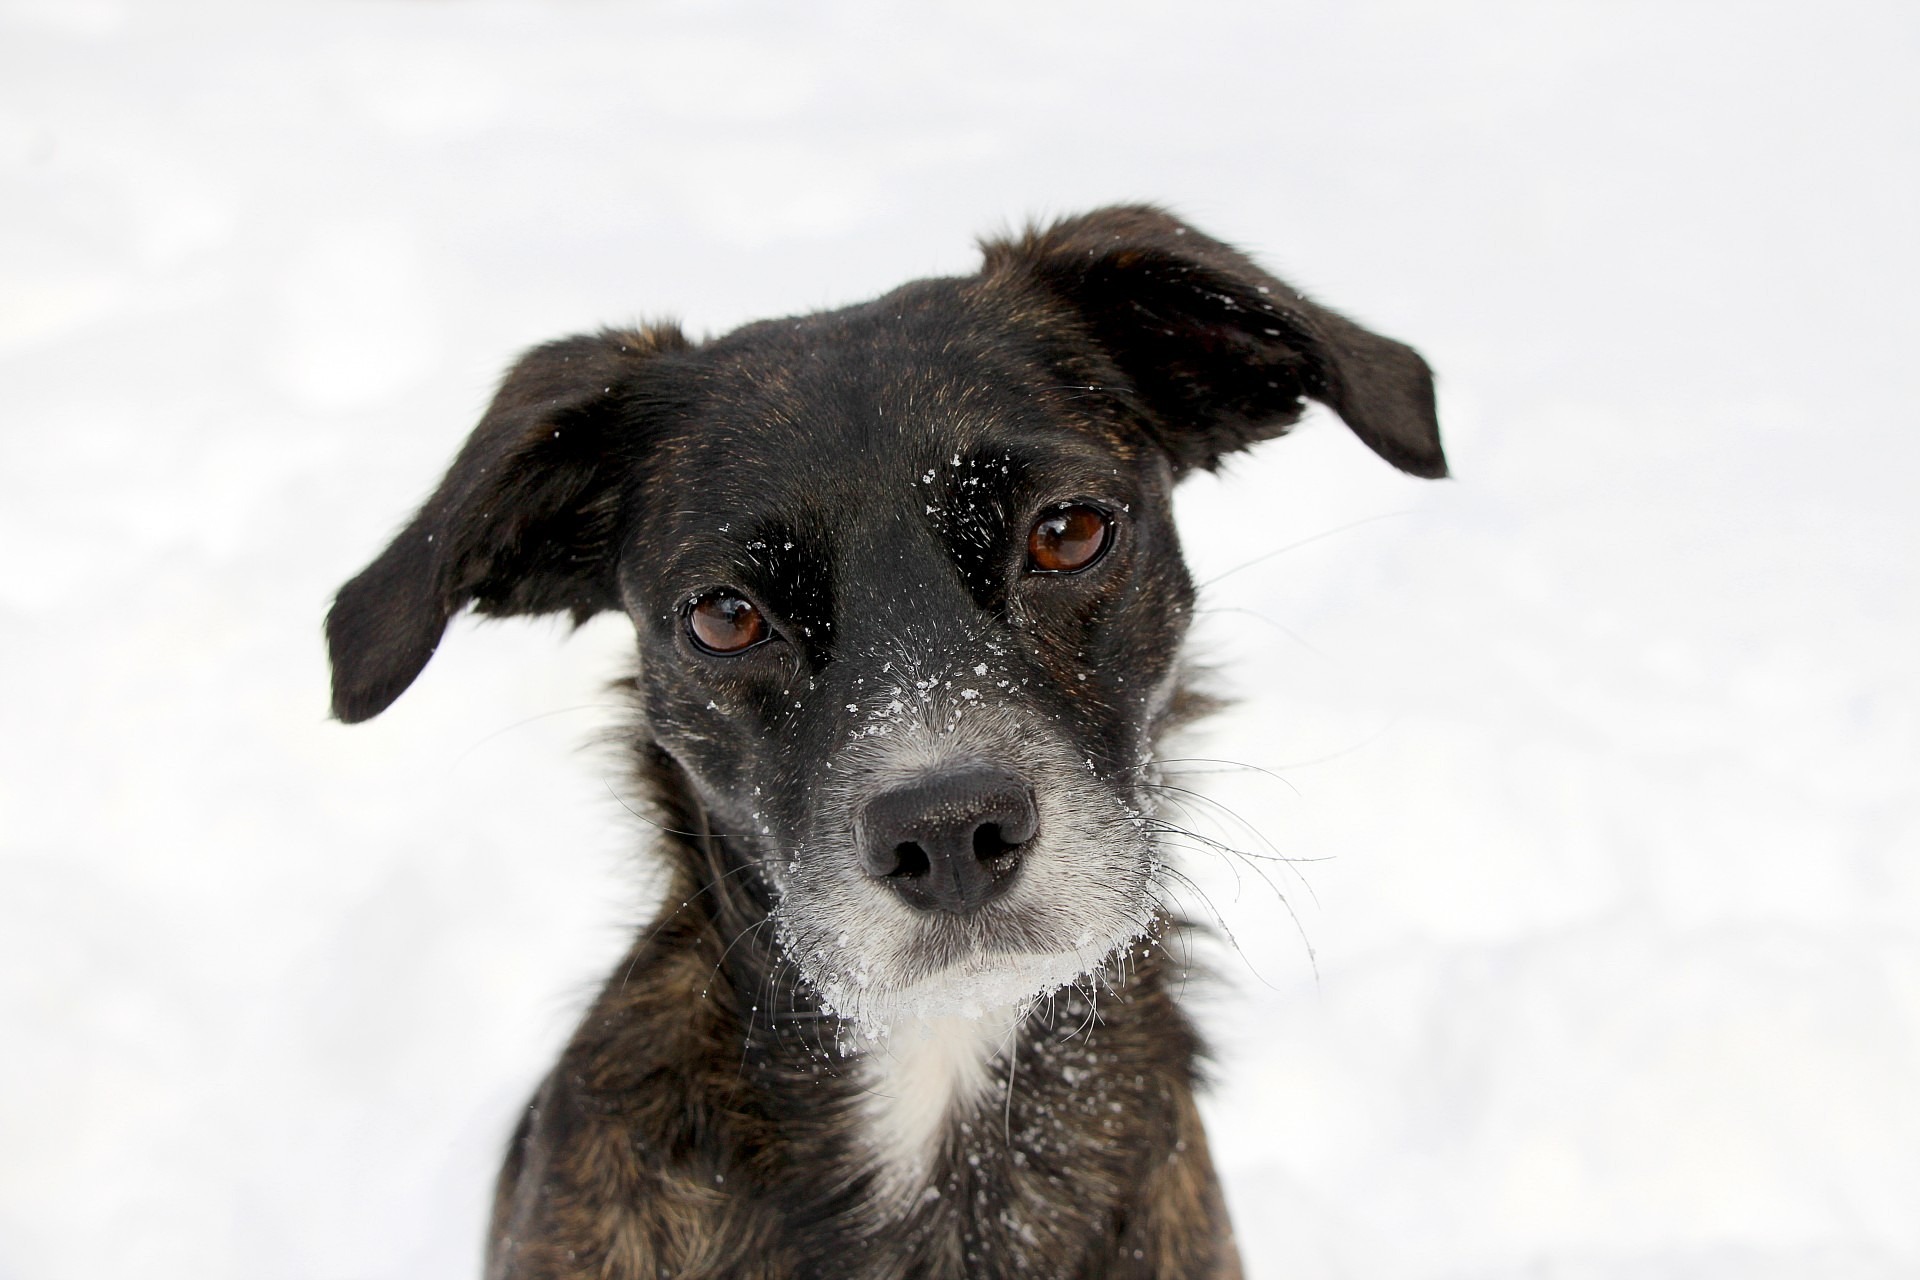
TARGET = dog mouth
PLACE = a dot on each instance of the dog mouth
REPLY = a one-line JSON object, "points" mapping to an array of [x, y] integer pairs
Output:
{"points": [[873, 959], [971, 982], [946, 975]]}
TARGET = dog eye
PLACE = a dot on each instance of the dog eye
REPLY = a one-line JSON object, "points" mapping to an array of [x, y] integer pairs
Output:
{"points": [[1068, 539], [722, 622]]}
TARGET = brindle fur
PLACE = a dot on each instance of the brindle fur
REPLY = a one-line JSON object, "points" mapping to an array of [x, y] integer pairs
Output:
{"points": [[706, 1120]]}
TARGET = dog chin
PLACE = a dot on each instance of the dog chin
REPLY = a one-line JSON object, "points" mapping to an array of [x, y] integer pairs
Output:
{"points": [[984, 984]]}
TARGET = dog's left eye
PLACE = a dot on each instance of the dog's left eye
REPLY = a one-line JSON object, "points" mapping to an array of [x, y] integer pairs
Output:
{"points": [[722, 622], [1068, 539]]}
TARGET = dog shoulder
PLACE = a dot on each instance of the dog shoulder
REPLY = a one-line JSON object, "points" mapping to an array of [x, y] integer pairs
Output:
{"points": [[638, 1155]]}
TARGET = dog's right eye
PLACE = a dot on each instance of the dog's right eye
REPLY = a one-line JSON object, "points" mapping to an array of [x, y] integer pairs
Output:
{"points": [[724, 622]]}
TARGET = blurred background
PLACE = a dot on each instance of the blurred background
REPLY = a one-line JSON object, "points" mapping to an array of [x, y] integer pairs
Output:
{"points": [[1603, 955]]}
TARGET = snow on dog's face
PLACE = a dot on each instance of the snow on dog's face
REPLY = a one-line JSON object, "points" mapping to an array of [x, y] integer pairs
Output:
{"points": [[1045, 910], [1041, 911], [916, 619], [904, 578]]}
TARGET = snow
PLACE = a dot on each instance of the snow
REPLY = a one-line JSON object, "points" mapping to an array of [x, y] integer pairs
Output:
{"points": [[1602, 754]]}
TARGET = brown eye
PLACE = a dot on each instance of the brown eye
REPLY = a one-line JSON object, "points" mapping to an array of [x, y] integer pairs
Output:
{"points": [[722, 622], [1068, 539]]}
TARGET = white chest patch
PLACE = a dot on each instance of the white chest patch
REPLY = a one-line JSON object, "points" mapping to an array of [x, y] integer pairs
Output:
{"points": [[919, 1075]]}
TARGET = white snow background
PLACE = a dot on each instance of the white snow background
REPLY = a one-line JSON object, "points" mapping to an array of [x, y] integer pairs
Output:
{"points": [[1605, 751]]}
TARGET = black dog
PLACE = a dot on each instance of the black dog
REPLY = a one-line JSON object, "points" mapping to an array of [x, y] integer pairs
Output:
{"points": [[909, 606]]}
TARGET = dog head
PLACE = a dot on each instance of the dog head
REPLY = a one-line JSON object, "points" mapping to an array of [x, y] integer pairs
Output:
{"points": [[904, 577]]}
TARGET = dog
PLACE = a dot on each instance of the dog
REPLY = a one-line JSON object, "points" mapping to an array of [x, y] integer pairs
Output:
{"points": [[909, 607]]}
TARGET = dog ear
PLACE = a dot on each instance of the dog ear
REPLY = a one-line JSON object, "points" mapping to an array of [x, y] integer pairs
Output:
{"points": [[1219, 352], [525, 521]]}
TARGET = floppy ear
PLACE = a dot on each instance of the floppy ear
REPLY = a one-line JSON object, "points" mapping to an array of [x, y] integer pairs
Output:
{"points": [[1218, 351], [524, 522]]}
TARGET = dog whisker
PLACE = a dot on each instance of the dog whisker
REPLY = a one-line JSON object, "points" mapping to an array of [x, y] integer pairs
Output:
{"points": [[1286, 904], [535, 718], [1226, 932], [1272, 854], [1295, 546], [1205, 844], [1281, 627], [662, 828], [661, 925], [750, 928], [1231, 766]]}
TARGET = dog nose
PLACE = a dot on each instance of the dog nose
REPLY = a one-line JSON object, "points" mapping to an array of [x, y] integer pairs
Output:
{"points": [[949, 841]]}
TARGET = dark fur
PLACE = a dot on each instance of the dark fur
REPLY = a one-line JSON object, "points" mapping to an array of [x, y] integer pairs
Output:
{"points": [[702, 1122]]}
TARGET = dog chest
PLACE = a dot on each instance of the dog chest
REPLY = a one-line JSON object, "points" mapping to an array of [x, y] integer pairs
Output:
{"points": [[918, 1078]]}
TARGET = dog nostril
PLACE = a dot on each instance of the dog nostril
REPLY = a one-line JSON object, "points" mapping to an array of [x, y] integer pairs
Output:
{"points": [[910, 861], [989, 843]]}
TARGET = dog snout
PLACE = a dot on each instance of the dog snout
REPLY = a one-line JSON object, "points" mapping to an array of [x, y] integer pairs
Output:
{"points": [[949, 841]]}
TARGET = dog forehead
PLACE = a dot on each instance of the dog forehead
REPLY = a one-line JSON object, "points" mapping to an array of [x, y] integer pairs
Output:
{"points": [[856, 409]]}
